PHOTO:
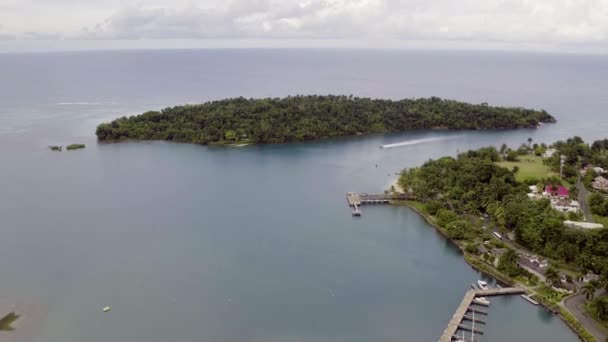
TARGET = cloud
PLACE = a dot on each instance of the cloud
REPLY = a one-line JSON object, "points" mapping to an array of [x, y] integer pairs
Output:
{"points": [[573, 22], [513, 21]]}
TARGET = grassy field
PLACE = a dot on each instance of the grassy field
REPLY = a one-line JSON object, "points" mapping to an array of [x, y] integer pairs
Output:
{"points": [[529, 167]]}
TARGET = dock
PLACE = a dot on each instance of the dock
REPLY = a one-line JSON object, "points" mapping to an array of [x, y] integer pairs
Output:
{"points": [[356, 200], [529, 299], [456, 323], [471, 319]]}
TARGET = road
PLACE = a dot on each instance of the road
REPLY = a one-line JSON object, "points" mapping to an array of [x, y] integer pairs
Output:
{"points": [[582, 200], [575, 304]]}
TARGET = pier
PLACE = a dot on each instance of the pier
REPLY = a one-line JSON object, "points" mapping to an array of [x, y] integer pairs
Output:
{"points": [[456, 323], [356, 200]]}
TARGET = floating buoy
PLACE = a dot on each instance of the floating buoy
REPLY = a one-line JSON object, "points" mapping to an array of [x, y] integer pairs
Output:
{"points": [[106, 309]]}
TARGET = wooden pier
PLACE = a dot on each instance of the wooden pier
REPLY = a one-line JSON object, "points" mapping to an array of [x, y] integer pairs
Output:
{"points": [[460, 315], [356, 200], [471, 319]]}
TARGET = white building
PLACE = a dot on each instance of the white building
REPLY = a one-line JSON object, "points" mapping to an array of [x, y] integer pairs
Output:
{"points": [[565, 206], [600, 183], [549, 153], [582, 225]]}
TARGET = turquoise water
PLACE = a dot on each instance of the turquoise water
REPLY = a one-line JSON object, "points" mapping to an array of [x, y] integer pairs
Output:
{"points": [[189, 243]]}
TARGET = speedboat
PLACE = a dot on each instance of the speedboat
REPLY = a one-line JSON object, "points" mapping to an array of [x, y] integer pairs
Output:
{"points": [[481, 301], [483, 285]]}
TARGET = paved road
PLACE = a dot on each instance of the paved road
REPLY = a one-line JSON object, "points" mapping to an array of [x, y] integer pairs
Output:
{"points": [[582, 200], [575, 304]]}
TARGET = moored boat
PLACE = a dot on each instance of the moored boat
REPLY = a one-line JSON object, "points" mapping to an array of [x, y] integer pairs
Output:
{"points": [[481, 301]]}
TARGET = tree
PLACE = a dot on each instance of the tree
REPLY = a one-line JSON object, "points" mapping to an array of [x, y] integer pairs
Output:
{"points": [[512, 156], [515, 169], [530, 141], [508, 263], [601, 307], [503, 149], [552, 276], [230, 135], [589, 289]]}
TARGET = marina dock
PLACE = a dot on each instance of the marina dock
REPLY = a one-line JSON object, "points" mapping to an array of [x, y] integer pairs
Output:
{"points": [[356, 200], [466, 306]]}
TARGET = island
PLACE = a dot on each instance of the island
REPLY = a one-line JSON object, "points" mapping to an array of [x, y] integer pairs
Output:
{"points": [[75, 147], [239, 121], [532, 216]]}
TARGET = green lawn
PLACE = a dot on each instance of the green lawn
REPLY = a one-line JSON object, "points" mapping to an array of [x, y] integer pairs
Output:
{"points": [[529, 167]]}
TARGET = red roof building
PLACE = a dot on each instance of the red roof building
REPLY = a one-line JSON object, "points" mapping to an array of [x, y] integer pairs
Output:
{"points": [[559, 191]]}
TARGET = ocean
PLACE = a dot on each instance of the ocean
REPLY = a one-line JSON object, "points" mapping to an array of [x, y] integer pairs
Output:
{"points": [[195, 243]]}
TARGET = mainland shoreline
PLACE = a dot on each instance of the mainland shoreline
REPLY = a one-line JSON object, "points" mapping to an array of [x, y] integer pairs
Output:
{"points": [[478, 265]]}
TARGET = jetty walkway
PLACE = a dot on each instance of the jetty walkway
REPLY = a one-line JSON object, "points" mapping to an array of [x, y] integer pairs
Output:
{"points": [[356, 200], [466, 306]]}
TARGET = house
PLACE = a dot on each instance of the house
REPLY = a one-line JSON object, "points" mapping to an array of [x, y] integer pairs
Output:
{"points": [[533, 265], [600, 183], [556, 191], [533, 194], [549, 153], [565, 206]]}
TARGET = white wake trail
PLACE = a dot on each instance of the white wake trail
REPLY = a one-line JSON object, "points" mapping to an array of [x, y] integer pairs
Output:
{"points": [[416, 142]]}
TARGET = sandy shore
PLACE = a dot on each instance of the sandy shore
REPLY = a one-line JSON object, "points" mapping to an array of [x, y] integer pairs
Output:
{"points": [[395, 184]]}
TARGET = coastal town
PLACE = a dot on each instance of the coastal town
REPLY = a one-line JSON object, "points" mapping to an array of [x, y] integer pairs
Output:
{"points": [[576, 191]]}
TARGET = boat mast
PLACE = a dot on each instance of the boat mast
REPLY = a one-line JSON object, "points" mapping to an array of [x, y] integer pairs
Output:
{"points": [[473, 328]]}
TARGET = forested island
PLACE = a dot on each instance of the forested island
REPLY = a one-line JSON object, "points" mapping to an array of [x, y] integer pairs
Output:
{"points": [[516, 218], [302, 118]]}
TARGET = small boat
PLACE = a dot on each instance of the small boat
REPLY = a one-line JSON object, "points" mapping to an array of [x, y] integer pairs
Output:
{"points": [[483, 285], [356, 212], [106, 309], [481, 301]]}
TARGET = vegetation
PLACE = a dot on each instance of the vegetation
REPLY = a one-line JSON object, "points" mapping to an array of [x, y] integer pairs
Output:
{"points": [[300, 118], [598, 204], [75, 146], [55, 148], [475, 184], [7, 321]]}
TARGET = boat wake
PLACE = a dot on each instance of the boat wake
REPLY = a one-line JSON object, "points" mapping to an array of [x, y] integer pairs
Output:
{"points": [[416, 142]]}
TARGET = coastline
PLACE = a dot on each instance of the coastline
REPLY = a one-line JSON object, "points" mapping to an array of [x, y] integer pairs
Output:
{"points": [[566, 316]]}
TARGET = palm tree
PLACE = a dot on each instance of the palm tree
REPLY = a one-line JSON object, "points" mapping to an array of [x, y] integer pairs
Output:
{"points": [[503, 149], [589, 290], [551, 275]]}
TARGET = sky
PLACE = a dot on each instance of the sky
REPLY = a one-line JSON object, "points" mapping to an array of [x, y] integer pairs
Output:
{"points": [[553, 25]]}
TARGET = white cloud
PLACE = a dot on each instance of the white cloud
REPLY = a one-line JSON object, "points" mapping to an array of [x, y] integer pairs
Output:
{"points": [[507, 21]]}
